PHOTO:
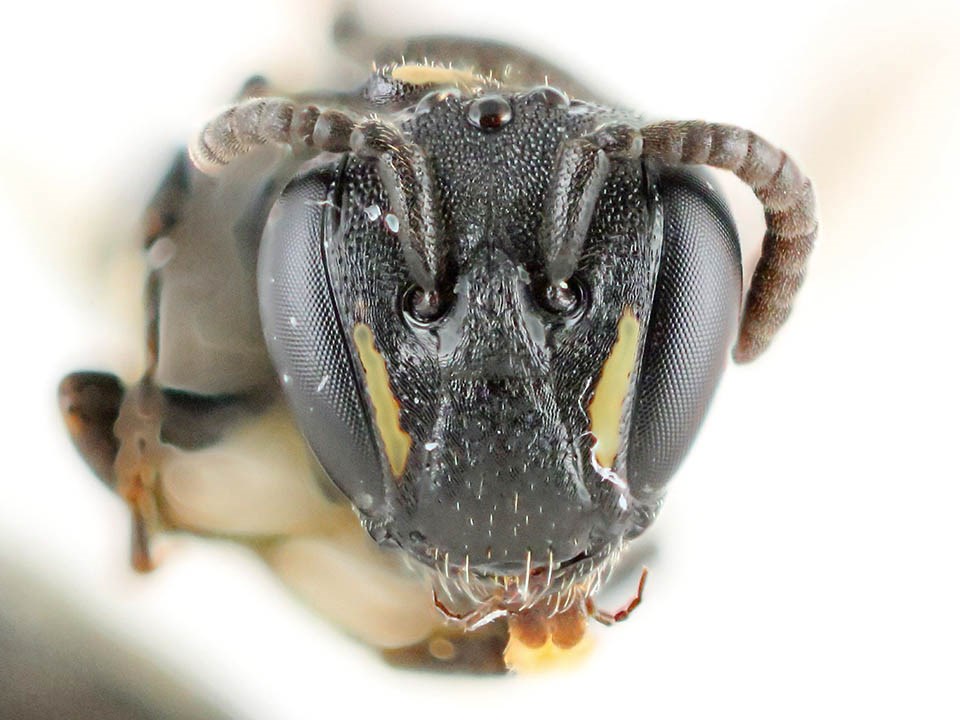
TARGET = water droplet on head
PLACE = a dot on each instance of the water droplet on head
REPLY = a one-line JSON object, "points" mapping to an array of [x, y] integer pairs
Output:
{"points": [[431, 100], [378, 533], [489, 113], [363, 501], [373, 212], [579, 107], [392, 222], [550, 96]]}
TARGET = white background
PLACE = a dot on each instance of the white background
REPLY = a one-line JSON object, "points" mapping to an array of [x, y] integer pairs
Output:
{"points": [[806, 560]]}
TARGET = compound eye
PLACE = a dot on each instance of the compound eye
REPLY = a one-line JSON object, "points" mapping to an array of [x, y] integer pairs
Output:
{"points": [[692, 322], [567, 299], [422, 308], [312, 340]]}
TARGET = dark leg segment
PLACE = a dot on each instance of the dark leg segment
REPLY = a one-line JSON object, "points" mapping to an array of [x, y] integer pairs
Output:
{"points": [[609, 618], [90, 403]]}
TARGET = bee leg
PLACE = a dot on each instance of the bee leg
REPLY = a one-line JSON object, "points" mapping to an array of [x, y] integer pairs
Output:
{"points": [[136, 466], [90, 403], [451, 649], [209, 375], [193, 462]]}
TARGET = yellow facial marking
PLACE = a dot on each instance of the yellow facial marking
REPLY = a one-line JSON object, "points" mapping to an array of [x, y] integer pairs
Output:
{"points": [[524, 659], [386, 409], [434, 75], [606, 408]]}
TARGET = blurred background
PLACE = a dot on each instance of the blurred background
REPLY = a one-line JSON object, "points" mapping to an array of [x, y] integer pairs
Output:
{"points": [[805, 560]]}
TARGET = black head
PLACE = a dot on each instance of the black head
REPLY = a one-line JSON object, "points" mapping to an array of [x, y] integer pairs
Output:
{"points": [[491, 420]]}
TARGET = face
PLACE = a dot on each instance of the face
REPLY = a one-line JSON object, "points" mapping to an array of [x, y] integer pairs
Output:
{"points": [[488, 428]]}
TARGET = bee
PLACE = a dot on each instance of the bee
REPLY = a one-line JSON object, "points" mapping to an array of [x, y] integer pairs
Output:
{"points": [[435, 346]]}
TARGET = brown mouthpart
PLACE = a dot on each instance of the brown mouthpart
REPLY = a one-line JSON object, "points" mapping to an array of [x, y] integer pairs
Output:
{"points": [[559, 618]]}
